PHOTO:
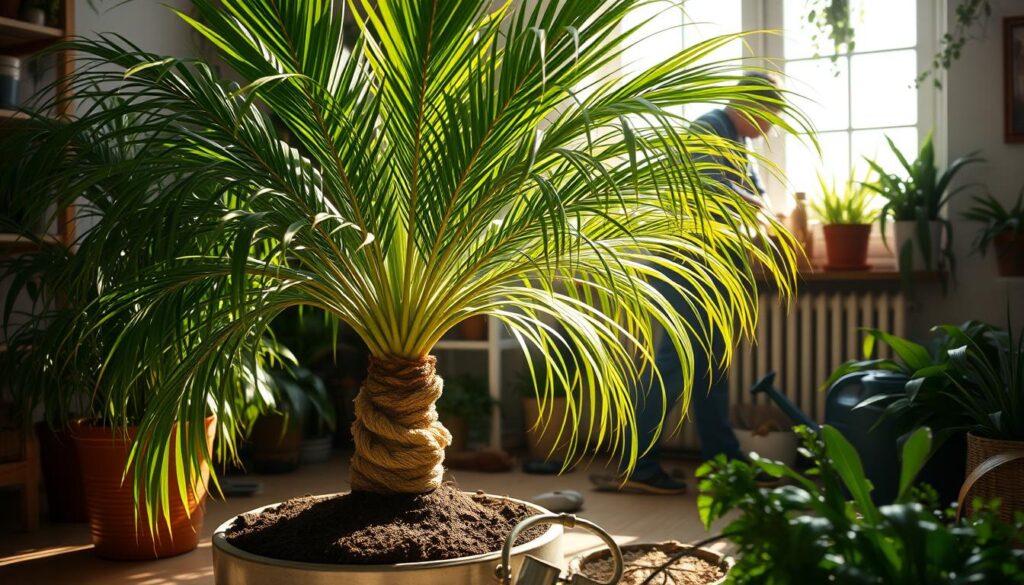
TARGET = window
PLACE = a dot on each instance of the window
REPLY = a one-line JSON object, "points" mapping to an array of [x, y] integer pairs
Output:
{"points": [[854, 103]]}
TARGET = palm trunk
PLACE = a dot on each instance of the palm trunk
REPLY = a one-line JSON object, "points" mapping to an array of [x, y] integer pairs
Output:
{"points": [[399, 441]]}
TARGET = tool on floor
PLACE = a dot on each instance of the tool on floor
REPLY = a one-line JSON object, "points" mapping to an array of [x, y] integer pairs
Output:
{"points": [[559, 501], [874, 438], [534, 571]]}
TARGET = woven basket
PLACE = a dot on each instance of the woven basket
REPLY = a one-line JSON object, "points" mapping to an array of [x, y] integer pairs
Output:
{"points": [[1005, 482]]}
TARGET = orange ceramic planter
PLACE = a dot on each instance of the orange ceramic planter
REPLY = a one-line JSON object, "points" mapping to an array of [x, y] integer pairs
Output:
{"points": [[846, 246], [117, 531]]}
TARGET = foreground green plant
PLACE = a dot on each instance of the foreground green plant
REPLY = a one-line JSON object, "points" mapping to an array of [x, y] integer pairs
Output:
{"points": [[852, 204], [810, 532], [448, 166]]}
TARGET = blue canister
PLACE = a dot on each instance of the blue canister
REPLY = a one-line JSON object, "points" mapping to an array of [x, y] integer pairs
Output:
{"points": [[10, 72]]}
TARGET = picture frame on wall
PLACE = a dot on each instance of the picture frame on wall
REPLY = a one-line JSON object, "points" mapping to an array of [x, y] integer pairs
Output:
{"points": [[1013, 62]]}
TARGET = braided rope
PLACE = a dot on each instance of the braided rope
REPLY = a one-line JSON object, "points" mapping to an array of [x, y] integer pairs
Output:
{"points": [[399, 443]]}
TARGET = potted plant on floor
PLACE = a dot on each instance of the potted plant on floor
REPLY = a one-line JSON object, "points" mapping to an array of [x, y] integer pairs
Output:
{"points": [[1003, 230], [464, 408], [847, 216], [913, 199], [449, 174], [303, 412], [825, 528], [548, 427]]}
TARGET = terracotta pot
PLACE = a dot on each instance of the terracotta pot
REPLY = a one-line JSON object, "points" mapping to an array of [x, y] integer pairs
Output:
{"points": [[456, 425], [474, 328], [846, 246], [1010, 253], [579, 564], [62, 475], [117, 531], [276, 443], [542, 440]]}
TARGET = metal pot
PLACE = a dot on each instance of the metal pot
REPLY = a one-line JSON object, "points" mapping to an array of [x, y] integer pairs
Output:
{"points": [[233, 566]]}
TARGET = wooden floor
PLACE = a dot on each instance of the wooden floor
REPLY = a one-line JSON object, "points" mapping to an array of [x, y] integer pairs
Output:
{"points": [[62, 553]]}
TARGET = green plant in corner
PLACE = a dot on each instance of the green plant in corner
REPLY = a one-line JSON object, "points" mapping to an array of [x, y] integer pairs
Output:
{"points": [[851, 204], [810, 532], [452, 169], [997, 219], [916, 193]]}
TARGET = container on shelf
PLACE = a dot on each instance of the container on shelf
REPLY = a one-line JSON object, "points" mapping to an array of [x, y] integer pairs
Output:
{"points": [[10, 73]]}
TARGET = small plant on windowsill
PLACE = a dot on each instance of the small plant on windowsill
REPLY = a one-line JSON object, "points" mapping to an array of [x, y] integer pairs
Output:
{"points": [[847, 213], [1003, 230], [913, 199]]}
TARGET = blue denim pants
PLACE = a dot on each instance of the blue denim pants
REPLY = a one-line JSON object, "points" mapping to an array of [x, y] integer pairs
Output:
{"points": [[709, 404]]}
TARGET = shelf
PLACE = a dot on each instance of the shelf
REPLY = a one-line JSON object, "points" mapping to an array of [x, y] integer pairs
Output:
{"points": [[12, 243], [466, 345], [22, 38], [12, 115]]}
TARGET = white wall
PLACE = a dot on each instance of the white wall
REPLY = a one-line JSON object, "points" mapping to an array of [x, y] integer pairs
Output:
{"points": [[974, 121], [150, 24]]}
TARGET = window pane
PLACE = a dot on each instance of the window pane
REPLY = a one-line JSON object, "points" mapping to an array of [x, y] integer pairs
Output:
{"points": [[798, 32], [822, 93], [871, 144], [884, 24], [658, 38], [711, 18], [803, 162], [882, 89]]}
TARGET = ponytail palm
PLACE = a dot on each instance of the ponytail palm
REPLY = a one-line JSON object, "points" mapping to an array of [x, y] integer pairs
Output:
{"points": [[459, 160]]}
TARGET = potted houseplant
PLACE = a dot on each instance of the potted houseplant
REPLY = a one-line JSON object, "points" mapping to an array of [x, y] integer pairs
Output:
{"points": [[1003, 230], [546, 419], [464, 408], [824, 528], [913, 198], [298, 429], [448, 174], [847, 216], [968, 387]]}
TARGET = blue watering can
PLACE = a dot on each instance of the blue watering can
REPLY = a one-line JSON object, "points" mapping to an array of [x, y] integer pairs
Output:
{"points": [[875, 442]]}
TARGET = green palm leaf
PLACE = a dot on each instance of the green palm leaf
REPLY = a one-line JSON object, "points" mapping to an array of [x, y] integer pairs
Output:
{"points": [[447, 166]]}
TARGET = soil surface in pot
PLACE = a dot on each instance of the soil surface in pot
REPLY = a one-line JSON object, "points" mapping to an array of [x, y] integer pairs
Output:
{"points": [[362, 528], [641, 563]]}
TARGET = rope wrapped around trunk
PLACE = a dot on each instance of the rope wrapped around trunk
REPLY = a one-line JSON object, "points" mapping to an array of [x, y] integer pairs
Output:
{"points": [[399, 443]]}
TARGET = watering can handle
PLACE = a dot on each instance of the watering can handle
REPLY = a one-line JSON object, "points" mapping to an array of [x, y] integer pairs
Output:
{"points": [[767, 386], [504, 570]]}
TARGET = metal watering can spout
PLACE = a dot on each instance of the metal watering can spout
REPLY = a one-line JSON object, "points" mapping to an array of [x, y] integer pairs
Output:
{"points": [[534, 571], [766, 385]]}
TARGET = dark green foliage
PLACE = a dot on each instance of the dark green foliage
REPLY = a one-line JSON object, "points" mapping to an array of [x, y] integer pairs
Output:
{"points": [[997, 219], [810, 532]]}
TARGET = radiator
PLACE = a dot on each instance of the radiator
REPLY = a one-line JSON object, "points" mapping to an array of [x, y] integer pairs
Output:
{"points": [[802, 342]]}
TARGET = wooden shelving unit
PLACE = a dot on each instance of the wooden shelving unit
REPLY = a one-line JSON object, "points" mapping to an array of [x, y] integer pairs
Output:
{"points": [[23, 39]]}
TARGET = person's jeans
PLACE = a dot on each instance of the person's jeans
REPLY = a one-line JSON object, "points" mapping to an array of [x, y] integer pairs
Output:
{"points": [[709, 404]]}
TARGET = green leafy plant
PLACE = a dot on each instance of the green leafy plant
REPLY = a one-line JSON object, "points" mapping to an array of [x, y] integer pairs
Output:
{"points": [[467, 396], [824, 528], [968, 379], [968, 15], [917, 193], [853, 204], [833, 24], [997, 219], [452, 168]]}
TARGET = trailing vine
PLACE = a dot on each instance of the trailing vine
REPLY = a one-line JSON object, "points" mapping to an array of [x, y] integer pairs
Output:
{"points": [[833, 21]]}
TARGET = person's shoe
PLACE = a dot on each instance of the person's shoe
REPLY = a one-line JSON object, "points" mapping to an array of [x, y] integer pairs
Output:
{"points": [[658, 483]]}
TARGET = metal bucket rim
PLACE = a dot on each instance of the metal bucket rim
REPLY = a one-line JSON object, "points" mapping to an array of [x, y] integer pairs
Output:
{"points": [[553, 532]]}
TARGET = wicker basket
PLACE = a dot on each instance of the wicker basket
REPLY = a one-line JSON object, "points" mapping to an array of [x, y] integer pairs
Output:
{"points": [[1004, 481], [670, 547]]}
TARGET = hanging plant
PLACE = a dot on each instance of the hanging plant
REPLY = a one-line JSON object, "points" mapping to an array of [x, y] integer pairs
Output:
{"points": [[834, 30], [970, 15], [833, 23]]}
